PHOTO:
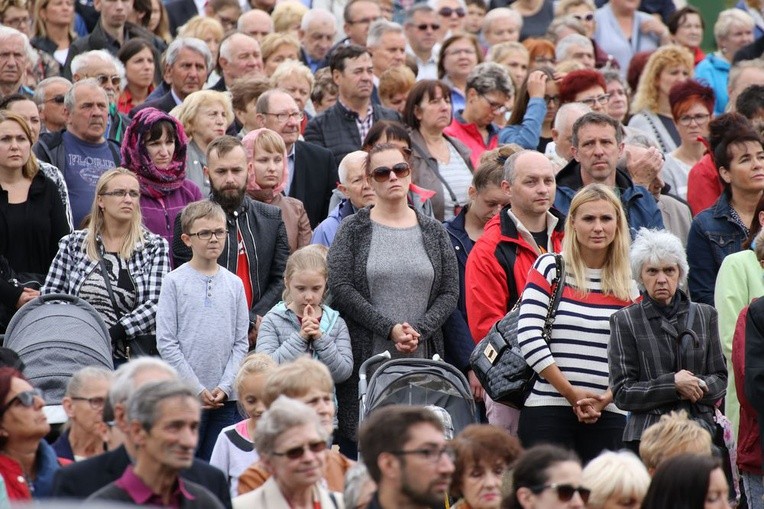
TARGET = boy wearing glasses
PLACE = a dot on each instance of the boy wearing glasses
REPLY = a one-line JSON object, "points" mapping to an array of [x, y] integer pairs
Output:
{"points": [[202, 321]]}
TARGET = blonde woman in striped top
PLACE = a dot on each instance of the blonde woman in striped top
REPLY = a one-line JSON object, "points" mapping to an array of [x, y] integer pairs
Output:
{"points": [[571, 403]]}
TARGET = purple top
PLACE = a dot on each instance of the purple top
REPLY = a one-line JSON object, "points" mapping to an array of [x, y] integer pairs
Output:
{"points": [[159, 216], [142, 494]]}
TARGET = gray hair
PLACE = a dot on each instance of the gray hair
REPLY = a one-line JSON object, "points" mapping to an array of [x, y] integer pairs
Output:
{"points": [[144, 402], [566, 111], [80, 379], [354, 158], [123, 385], [434, 4], [758, 242], [730, 18], [657, 247], [488, 77], [225, 46], [249, 14], [641, 140], [8, 32], [596, 118], [738, 68], [191, 43], [511, 164], [69, 98], [378, 29], [564, 22], [283, 415], [355, 479], [39, 92], [418, 7], [502, 12], [86, 59], [565, 44], [317, 14]]}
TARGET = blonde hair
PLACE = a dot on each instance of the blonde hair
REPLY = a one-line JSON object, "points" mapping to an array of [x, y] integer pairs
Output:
{"points": [[133, 239], [564, 6], [675, 433], [31, 166], [613, 473], [296, 379], [286, 14], [200, 27], [187, 111], [274, 41], [647, 95], [40, 29], [267, 141], [395, 80], [616, 273], [253, 364], [307, 258], [292, 68], [499, 52]]}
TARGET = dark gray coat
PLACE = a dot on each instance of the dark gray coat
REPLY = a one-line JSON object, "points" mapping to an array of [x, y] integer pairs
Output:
{"points": [[348, 283]]}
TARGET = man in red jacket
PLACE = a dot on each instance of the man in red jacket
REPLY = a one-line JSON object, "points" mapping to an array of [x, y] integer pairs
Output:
{"points": [[498, 264]]}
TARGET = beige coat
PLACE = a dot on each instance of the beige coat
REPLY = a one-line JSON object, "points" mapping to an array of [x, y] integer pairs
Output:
{"points": [[269, 495]]}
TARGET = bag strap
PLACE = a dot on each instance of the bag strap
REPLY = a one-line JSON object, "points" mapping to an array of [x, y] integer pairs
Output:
{"points": [[107, 282], [558, 283], [427, 158]]}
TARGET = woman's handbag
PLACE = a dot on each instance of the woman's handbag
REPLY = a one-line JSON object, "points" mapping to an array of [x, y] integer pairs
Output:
{"points": [[142, 345], [497, 360]]}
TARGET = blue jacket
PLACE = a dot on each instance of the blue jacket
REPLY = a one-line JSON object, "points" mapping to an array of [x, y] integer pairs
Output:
{"points": [[457, 339], [526, 134], [714, 234], [327, 229], [715, 72], [47, 465], [641, 208]]}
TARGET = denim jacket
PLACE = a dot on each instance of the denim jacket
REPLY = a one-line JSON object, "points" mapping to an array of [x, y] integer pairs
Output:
{"points": [[713, 235]]}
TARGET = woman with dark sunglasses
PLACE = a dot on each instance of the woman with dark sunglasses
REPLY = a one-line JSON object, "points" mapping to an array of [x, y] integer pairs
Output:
{"points": [[393, 276], [547, 477], [27, 462]]}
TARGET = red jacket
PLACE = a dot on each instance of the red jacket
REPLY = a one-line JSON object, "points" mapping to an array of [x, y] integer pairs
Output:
{"points": [[748, 443], [486, 281], [470, 136], [703, 185]]}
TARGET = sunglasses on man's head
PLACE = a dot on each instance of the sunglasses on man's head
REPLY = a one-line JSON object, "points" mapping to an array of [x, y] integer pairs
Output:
{"points": [[382, 173], [565, 492], [298, 452]]}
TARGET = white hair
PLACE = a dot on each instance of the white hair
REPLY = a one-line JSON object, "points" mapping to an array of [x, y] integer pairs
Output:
{"points": [[566, 43], [192, 43], [8, 32], [729, 18], [378, 29], [317, 14], [615, 473], [251, 14], [225, 46], [123, 385], [357, 158], [566, 111], [434, 4], [502, 12], [86, 59], [657, 247]]}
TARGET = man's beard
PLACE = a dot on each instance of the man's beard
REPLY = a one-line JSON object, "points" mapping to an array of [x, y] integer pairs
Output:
{"points": [[422, 497], [229, 199]]}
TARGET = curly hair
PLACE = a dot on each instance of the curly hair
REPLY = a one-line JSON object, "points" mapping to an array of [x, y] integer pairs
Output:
{"points": [[647, 95]]}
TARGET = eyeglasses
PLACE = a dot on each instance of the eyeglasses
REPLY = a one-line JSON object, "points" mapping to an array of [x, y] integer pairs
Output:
{"points": [[584, 17], [542, 60], [495, 106], [298, 452], [600, 99], [432, 26], [121, 193], [382, 174], [447, 12], [699, 119], [25, 399], [104, 79], [207, 234], [364, 21], [432, 455], [565, 492], [18, 22], [95, 403], [58, 99], [552, 99], [283, 117]]}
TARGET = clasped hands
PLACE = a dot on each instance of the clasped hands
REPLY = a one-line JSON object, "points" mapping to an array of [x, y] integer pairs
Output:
{"points": [[212, 399], [310, 329], [588, 405], [404, 336]]}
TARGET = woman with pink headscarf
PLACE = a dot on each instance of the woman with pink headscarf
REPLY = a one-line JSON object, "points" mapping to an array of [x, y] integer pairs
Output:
{"points": [[268, 177], [154, 148]]}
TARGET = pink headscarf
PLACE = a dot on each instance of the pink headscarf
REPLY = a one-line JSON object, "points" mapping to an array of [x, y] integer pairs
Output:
{"points": [[252, 186]]}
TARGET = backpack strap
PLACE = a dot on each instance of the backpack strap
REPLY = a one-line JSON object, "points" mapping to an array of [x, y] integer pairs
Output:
{"points": [[506, 254]]}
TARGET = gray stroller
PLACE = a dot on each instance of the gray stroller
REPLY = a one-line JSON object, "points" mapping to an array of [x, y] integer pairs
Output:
{"points": [[55, 336]]}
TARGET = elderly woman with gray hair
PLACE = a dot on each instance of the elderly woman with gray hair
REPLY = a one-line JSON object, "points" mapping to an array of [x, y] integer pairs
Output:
{"points": [[664, 352], [292, 443], [489, 89]]}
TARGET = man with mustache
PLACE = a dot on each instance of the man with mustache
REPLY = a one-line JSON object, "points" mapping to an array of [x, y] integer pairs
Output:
{"points": [[257, 248], [81, 151]]}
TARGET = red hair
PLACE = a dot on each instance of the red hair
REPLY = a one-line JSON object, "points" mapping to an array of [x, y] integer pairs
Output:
{"points": [[576, 82], [636, 66], [685, 94], [538, 48]]}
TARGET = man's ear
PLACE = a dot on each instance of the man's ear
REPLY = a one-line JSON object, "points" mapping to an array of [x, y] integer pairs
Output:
{"points": [[136, 433], [206, 171], [555, 134], [186, 239], [389, 465]]}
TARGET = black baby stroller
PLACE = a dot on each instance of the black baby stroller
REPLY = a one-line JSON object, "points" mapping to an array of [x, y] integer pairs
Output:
{"points": [[422, 382], [55, 336]]}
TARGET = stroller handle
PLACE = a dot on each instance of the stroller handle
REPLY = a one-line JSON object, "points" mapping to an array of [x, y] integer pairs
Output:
{"points": [[363, 370]]}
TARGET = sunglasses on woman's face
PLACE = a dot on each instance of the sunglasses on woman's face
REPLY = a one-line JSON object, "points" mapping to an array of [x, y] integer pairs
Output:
{"points": [[382, 174], [26, 398], [565, 492], [299, 451]]}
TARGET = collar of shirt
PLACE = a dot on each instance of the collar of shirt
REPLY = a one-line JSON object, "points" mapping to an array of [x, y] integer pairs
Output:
{"points": [[142, 494], [175, 97], [200, 6], [290, 167], [369, 110]]}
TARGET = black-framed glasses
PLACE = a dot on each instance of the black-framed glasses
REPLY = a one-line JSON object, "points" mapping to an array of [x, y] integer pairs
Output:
{"points": [[104, 79], [283, 117], [565, 492], [382, 174], [96, 403], [496, 107], [552, 99], [121, 193], [447, 12], [600, 99], [424, 26], [430, 454], [700, 119], [25, 399], [207, 234], [58, 99], [584, 17], [299, 451]]}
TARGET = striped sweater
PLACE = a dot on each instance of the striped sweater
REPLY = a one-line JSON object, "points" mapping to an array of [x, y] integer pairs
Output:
{"points": [[579, 337]]}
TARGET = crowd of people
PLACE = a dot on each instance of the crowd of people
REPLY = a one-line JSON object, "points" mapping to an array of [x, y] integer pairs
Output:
{"points": [[258, 196]]}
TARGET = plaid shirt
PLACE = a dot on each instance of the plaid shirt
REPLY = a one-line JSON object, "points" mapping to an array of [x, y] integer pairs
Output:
{"points": [[363, 124], [148, 265]]}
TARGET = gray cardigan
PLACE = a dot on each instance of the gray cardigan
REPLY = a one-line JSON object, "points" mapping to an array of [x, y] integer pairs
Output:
{"points": [[348, 283]]}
